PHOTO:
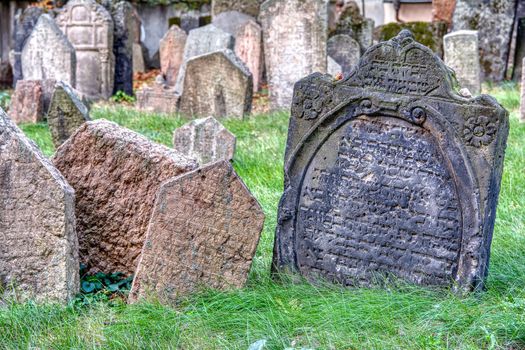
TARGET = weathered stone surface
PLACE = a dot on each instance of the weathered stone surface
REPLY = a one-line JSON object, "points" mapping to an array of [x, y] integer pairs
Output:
{"points": [[115, 173], [38, 242], [250, 7], [158, 98], [493, 21], [23, 27], [66, 113], [48, 54], [124, 21], [344, 50], [139, 66], [206, 140], [171, 53], [204, 231], [89, 28], [391, 172], [294, 35], [26, 102], [352, 23], [333, 68], [202, 41], [443, 10], [462, 55], [217, 84]]}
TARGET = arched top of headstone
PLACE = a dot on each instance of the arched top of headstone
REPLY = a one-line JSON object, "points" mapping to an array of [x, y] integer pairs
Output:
{"points": [[84, 11]]}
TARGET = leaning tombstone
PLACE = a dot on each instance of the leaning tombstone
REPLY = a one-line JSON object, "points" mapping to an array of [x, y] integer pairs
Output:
{"points": [[171, 51], [390, 172], [116, 174], [203, 231], [39, 247], [344, 50], [66, 113], [123, 18], [217, 84], [461, 53], [206, 140]]}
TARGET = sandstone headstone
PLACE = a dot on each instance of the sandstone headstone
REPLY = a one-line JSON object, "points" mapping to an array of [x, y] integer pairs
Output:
{"points": [[171, 52], [206, 140], [250, 7], [89, 28], [26, 102], [442, 10], [139, 66], [201, 41], [48, 54], [391, 172], [38, 242], [116, 174], [333, 68], [23, 27], [217, 84], [462, 55], [294, 35], [344, 50], [204, 231], [158, 98], [493, 21], [123, 19], [66, 113]]}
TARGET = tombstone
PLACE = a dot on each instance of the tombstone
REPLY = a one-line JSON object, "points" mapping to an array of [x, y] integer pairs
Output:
{"points": [[171, 52], [66, 113], [48, 54], [6, 75], [249, 7], [116, 174], [123, 19], [89, 28], [352, 23], [493, 21], [462, 55], [390, 172], [38, 242], [139, 66], [206, 140], [204, 231], [333, 68], [158, 98], [517, 47], [26, 102], [344, 50], [294, 35], [23, 27], [443, 10], [202, 41], [217, 84]]}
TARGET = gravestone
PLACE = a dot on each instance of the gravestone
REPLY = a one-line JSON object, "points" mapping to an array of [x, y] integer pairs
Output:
{"points": [[294, 36], [123, 19], [89, 28], [443, 10], [332, 67], [352, 23], [171, 52], [158, 98], [206, 140], [201, 41], [344, 50], [66, 113], [204, 231], [493, 20], [6, 75], [38, 242], [390, 172], [217, 84], [116, 174], [23, 27], [139, 66], [48, 54], [249, 7], [26, 102], [462, 55]]}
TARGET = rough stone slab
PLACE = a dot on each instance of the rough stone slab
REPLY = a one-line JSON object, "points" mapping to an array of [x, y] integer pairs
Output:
{"points": [[206, 140], [23, 27], [26, 102], [66, 113], [171, 53], [249, 7], [116, 174], [158, 98], [217, 84], [391, 172], [344, 50], [294, 36], [204, 231], [124, 31], [462, 55], [48, 54], [38, 242]]}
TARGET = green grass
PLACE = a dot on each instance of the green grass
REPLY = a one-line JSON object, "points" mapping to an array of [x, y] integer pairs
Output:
{"points": [[296, 315]]}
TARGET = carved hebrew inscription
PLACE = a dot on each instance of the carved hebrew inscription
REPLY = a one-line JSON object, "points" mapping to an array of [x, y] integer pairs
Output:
{"points": [[378, 198]]}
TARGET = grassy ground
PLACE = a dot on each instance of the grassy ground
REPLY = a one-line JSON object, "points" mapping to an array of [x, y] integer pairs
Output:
{"points": [[322, 317]]}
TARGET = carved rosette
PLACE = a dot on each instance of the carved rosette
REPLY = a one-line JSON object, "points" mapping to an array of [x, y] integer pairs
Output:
{"points": [[479, 131]]}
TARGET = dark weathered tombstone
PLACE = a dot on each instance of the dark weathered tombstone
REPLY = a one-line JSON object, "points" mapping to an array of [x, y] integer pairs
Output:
{"points": [[344, 50], [123, 19], [6, 75], [23, 27], [391, 172], [462, 55]]}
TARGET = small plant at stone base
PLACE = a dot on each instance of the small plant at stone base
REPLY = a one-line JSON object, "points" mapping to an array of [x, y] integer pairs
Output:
{"points": [[5, 99], [102, 286], [122, 97]]}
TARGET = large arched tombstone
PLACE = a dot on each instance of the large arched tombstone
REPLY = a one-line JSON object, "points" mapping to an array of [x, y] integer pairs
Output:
{"points": [[390, 172]]}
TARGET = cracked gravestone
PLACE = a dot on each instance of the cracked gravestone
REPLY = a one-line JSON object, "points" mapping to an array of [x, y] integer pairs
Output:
{"points": [[461, 53]]}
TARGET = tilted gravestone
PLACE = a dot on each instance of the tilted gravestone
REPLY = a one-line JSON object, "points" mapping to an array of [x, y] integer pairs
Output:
{"points": [[344, 50], [123, 19], [390, 172], [116, 174], [217, 84], [38, 242], [48, 54], [461, 53], [89, 28], [66, 113], [206, 140], [294, 36], [203, 231], [171, 53]]}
